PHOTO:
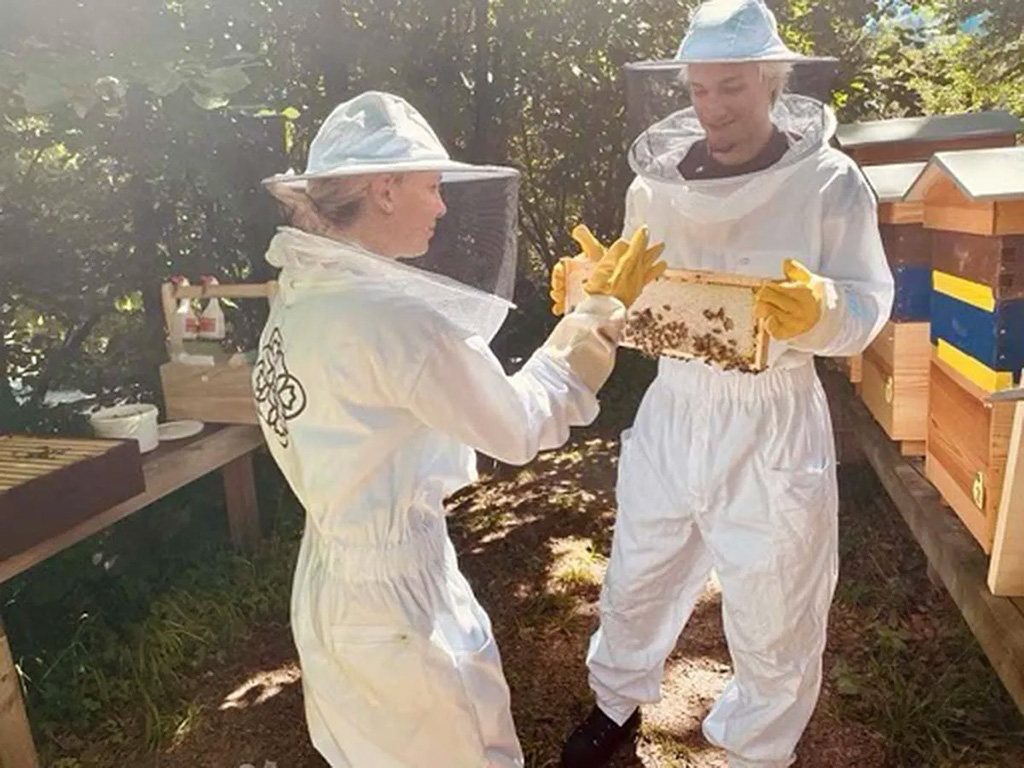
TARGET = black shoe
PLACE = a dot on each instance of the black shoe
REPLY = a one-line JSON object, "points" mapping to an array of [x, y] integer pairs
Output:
{"points": [[595, 740]]}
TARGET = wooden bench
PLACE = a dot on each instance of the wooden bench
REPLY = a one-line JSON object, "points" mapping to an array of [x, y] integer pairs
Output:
{"points": [[166, 469]]}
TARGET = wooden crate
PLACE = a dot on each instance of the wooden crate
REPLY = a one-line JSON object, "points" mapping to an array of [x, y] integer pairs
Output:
{"points": [[220, 393], [217, 394], [50, 484], [691, 314], [895, 383], [967, 447], [994, 261]]}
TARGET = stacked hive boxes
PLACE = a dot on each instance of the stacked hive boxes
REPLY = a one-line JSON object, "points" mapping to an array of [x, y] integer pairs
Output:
{"points": [[894, 382], [892, 153], [974, 207]]}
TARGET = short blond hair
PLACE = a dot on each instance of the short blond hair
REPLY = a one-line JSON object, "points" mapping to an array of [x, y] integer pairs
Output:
{"points": [[776, 73]]}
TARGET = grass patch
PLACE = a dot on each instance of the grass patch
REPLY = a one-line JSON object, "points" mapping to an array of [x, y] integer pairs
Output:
{"points": [[109, 635], [913, 672]]}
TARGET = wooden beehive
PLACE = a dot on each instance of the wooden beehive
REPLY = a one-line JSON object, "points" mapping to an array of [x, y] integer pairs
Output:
{"points": [[220, 392], [994, 261], [50, 484], [987, 333], [904, 237], [974, 202], [911, 139], [906, 243], [895, 383], [967, 447], [691, 314], [979, 192]]}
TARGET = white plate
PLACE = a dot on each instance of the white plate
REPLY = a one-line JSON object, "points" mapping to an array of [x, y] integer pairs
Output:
{"points": [[179, 430]]}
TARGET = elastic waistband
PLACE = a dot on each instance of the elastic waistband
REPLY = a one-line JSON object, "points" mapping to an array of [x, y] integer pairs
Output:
{"points": [[421, 547], [695, 377]]}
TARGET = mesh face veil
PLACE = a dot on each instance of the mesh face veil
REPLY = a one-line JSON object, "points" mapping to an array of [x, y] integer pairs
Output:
{"points": [[468, 272]]}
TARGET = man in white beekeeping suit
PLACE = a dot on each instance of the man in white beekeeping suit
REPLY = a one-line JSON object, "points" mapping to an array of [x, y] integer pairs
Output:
{"points": [[724, 469], [374, 384]]}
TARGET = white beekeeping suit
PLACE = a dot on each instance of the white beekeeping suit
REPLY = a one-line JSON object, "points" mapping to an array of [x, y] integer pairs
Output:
{"points": [[374, 385], [731, 470]]}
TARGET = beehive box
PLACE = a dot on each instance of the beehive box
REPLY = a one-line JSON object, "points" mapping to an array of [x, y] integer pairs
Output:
{"points": [[967, 447], [895, 383], [904, 237], [994, 261], [689, 314], [981, 336], [50, 484], [910, 139], [220, 392], [974, 202], [906, 243], [979, 192]]}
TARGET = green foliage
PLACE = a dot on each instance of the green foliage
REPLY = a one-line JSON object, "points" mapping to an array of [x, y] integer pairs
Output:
{"points": [[107, 634], [135, 135]]}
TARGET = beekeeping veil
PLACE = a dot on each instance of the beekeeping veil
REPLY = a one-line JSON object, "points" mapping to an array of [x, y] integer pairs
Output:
{"points": [[721, 31], [468, 273]]}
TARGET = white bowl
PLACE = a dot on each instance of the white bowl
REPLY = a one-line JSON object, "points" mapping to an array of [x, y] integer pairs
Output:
{"points": [[123, 422]]}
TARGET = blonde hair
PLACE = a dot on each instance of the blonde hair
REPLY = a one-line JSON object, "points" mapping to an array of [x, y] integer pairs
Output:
{"points": [[325, 205], [776, 73]]}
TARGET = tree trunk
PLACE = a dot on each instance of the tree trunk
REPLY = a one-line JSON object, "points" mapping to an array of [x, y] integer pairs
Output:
{"points": [[146, 229], [481, 146]]}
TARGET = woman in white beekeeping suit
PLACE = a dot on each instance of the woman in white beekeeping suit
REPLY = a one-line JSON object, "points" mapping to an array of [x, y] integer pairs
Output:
{"points": [[374, 384], [731, 470]]}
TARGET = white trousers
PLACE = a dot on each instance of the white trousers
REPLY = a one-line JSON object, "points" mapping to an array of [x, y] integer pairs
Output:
{"points": [[734, 472]]}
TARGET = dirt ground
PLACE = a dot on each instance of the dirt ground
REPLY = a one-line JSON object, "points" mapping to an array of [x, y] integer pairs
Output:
{"points": [[905, 683]]}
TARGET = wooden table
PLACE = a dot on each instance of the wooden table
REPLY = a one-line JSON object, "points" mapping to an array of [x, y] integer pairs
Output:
{"points": [[168, 468], [954, 557]]}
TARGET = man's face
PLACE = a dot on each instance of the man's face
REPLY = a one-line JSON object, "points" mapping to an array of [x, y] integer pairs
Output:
{"points": [[733, 105]]}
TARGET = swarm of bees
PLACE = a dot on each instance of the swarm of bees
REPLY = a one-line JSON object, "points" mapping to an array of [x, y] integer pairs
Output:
{"points": [[655, 336]]}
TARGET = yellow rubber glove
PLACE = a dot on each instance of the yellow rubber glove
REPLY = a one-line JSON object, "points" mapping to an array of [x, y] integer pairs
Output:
{"points": [[626, 268], [794, 306], [591, 250]]}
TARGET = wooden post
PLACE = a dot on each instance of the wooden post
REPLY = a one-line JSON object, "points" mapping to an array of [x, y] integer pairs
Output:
{"points": [[16, 747], [240, 494], [1006, 568]]}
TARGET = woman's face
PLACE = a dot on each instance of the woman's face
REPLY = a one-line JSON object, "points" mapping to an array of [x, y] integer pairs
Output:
{"points": [[415, 206]]}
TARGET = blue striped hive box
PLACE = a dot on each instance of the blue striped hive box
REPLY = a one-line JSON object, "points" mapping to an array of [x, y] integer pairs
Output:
{"points": [[975, 332]]}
